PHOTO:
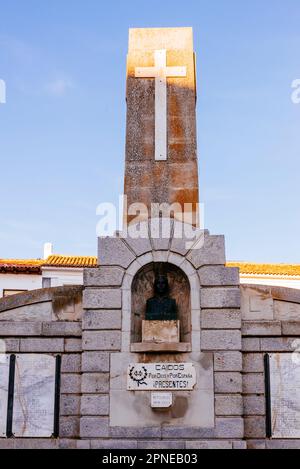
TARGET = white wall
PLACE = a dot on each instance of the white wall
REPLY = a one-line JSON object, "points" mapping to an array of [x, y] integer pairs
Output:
{"points": [[19, 282], [63, 275], [289, 282]]}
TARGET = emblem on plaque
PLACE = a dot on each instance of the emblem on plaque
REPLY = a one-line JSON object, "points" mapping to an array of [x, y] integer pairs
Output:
{"points": [[138, 374]]}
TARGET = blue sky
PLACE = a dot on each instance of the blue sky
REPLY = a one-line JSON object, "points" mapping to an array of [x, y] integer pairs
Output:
{"points": [[62, 129]]}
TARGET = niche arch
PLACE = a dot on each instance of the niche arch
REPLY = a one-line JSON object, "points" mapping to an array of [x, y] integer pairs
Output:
{"points": [[142, 289]]}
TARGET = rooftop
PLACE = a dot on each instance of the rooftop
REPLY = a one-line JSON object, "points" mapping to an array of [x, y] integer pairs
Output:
{"points": [[60, 260]]}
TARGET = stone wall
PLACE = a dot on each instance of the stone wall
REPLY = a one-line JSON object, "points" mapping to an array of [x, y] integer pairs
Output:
{"points": [[233, 329], [270, 323], [106, 332], [48, 321]]}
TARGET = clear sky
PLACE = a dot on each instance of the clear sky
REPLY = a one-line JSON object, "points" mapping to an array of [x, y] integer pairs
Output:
{"points": [[62, 129]]}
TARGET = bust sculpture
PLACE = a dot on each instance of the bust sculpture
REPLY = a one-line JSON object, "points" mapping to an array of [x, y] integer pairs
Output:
{"points": [[161, 307]]}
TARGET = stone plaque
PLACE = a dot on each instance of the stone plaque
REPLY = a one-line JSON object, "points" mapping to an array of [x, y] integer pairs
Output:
{"points": [[161, 400], [34, 397], [4, 377], [161, 376], [160, 331], [285, 394]]}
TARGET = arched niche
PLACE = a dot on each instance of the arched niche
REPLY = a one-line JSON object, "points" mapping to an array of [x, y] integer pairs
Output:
{"points": [[142, 290]]}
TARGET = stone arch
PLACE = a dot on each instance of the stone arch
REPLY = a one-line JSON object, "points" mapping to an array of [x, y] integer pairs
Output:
{"points": [[142, 289], [191, 329]]}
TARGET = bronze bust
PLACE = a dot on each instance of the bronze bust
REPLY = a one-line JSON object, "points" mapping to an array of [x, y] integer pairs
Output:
{"points": [[161, 307]]}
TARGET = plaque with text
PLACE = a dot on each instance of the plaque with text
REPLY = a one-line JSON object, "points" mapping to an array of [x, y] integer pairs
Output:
{"points": [[161, 376], [34, 396], [4, 377], [161, 400], [285, 394]]}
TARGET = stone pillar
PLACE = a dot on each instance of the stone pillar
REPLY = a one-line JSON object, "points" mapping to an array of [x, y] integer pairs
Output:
{"points": [[175, 179], [101, 336]]}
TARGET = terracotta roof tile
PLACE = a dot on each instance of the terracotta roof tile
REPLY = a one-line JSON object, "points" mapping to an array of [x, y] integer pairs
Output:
{"points": [[70, 261], [247, 268], [21, 265]]}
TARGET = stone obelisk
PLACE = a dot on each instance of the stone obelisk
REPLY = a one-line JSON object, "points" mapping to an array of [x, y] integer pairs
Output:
{"points": [[161, 151]]}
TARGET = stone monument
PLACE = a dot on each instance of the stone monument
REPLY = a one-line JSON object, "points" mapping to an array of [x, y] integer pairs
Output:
{"points": [[160, 335]]}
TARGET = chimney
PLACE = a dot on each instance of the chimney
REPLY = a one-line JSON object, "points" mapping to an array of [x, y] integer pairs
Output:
{"points": [[48, 250]]}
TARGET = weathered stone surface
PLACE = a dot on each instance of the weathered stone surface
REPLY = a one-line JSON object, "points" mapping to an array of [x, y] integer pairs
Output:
{"points": [[12, 345], [61, 328], [97, 320], [220, 319], [95, 361], [95, 405], [285, 386], [255, 427], [71, 363], [228, 361], [218, 276], [230, 427], [239, 444], [187, 432], [113, 251], [83, 444], [186, 236], [73, 345], [140, 432], [286, 311], [69, 404], [261, 328], [254, 405], [221, 340], [7, 443], [208, 444], [133, 409], [250, 345], [114, 444], [253, 363], [102, 298], [291, 328], [138, 238], [145, 444], [69, 427], [160, 331], [256, 444], [42, 345], [28, 443], [94, 427], [95, 383], [282, 444], [220, 297], [34, 393], [101, 340], [66, 443], [4, 378], [141, 347], [15, 328], [256, 303], [148, 180], [103, 277], [212, 253], [228, 382], [229, 405], [277, 344], [70, 383], [253, 383], [35, 312]]}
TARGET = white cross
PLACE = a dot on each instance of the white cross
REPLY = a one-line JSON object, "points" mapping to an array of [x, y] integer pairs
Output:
{"points": [[160, 72]]}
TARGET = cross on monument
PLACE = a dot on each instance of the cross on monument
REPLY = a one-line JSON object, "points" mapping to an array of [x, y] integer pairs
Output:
{"points": [[160, 72]]}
